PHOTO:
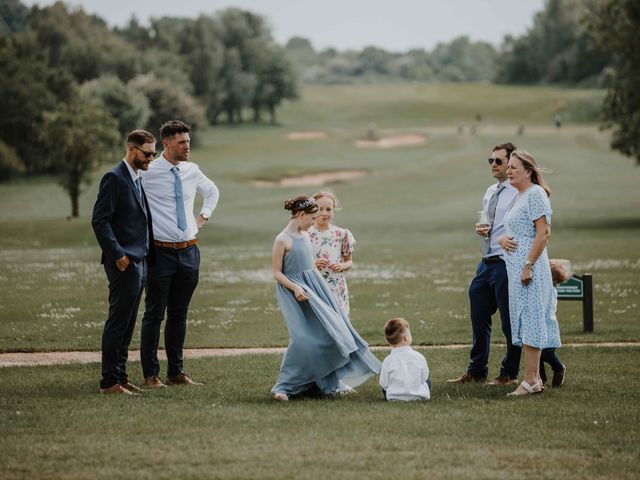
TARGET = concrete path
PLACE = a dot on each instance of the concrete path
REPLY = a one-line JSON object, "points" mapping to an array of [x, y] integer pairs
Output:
{"points": [[25, 359]]}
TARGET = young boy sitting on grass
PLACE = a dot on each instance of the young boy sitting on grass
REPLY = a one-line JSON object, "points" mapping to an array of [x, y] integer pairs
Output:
{"points": [[405, 374]]}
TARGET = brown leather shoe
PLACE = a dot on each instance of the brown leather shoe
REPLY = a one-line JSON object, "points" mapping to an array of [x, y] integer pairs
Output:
{"points": [[468, 378], [181, 379], [131, 387], [502, 381], [116, 389], [558, 377], [154, 382]]}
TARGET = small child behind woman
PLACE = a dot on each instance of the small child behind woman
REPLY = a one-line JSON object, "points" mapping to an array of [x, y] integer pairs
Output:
{"points": [[560, 272], [405, 374]]}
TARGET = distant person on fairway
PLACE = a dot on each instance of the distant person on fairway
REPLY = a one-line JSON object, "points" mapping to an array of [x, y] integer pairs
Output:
{"points": [[489, 289], [122, 224], [332, 248], [172, 184], [405, 374], [325, 355]]}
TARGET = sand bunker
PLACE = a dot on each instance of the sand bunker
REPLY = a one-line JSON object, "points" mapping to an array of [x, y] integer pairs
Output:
{"points": [[311, 179], [393, 141], [307, 135]]}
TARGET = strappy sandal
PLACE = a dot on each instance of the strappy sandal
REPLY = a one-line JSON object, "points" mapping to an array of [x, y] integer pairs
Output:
{"points": [[530, 389]]}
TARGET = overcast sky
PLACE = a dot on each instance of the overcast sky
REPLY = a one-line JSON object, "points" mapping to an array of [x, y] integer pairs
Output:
{"points": [[395, 25]]}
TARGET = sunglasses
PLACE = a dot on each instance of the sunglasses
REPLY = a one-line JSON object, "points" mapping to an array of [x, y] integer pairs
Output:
{"points": [[497, 160], [148, 154]]}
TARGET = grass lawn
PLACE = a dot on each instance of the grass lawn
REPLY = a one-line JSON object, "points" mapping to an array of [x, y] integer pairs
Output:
{"points": [[55, 425]]}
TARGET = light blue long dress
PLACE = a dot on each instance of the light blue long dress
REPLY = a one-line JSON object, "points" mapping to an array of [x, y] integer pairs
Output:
{"points": [[324, 349], [531, 309]]}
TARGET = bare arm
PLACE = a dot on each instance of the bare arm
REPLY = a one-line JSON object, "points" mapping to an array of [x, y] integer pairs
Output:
{"points": [[543, 232], [346, 264], [280, 248]]}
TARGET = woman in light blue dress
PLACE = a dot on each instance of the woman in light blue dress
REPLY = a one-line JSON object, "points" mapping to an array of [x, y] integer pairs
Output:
{"points": [[533, 322], [325, 354]]}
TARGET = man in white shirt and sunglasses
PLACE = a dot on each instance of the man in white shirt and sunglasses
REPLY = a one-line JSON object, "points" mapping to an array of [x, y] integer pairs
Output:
{"points": [[489, 289]]}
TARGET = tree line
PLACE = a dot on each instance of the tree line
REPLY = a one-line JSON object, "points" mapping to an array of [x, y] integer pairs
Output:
{"points": [[72, 87], [557, 49]]}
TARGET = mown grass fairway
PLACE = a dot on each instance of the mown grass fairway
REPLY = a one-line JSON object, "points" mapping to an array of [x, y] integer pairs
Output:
{"points": [[413, 218]]}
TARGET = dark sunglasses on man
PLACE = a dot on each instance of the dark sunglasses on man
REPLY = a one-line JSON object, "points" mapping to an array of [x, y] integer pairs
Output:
{"points": [[150, 154], [497, 160]]}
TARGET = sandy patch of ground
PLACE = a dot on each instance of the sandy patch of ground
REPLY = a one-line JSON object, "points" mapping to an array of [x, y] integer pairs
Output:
{"points": [[311, 180], [23, 359], [393, 141], [307, 135]]}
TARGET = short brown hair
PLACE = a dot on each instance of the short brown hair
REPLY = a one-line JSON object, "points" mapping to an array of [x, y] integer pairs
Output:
{"points": [[170, 128], [140, 137], [509, 147], [394, 329]]}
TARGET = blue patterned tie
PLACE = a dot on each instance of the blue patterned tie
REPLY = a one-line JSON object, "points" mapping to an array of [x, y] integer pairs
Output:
{"points": [[139, 188], [182, 218]]}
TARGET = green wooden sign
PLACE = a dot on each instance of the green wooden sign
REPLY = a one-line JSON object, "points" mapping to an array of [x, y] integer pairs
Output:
{"points": [[572, 288]]}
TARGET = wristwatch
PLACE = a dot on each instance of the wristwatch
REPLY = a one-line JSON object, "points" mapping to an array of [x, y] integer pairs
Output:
{"points": [[528, 264]]}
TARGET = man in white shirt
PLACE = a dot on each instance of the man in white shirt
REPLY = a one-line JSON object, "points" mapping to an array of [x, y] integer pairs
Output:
{"points": [[489, 290], [171, 184]]}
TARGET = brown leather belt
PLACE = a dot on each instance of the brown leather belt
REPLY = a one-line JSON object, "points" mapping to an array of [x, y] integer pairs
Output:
{"points": [[176, 245]]}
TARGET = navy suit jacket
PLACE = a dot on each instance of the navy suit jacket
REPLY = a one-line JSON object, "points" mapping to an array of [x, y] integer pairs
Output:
{"points": [[121, 221]]}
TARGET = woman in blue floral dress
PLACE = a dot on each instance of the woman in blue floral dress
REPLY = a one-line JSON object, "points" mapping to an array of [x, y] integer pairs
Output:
{"points": [[533, 323], [332, 247]]}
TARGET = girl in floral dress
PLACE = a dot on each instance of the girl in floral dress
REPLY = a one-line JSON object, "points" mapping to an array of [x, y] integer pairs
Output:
{"points": [[332, 247]]}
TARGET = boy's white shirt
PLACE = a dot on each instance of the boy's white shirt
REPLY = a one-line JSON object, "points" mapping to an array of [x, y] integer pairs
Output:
{"points": [[404, 375]]}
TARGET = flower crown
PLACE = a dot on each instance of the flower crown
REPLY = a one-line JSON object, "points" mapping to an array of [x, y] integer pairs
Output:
{"points": [[309, 202]]}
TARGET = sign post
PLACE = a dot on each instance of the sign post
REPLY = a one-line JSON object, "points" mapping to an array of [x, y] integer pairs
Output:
{"points": [[580, 288]]}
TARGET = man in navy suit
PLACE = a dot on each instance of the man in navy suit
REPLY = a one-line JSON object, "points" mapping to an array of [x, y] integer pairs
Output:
{"points": [[122, 224]]}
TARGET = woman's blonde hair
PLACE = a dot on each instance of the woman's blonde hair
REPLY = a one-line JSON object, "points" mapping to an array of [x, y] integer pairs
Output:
{"points": [[530, 165], [328, 194]]}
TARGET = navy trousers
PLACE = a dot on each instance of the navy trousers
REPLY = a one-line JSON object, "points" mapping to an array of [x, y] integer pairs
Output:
{"points": [[172, 281], [549, 356], [489, 292], [125, 292]]}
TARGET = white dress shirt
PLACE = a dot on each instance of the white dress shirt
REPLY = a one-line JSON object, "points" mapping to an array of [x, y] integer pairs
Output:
{"points": [[134, 174], [404, 375], [159, 186], [505, 202]]}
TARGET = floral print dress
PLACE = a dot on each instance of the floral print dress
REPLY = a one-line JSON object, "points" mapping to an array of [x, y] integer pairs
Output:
{"points": [[333, 244]]}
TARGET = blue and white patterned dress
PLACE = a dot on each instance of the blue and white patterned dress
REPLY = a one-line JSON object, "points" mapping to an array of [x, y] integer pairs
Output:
{"points": [[531, 307]]}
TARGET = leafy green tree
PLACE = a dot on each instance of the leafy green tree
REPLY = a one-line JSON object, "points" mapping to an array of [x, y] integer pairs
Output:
{"points": [[28, 88], [79, 136], [12, 16], [82, 44], [276, 82], [167, 102], [615, 27], [122, 101]]}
